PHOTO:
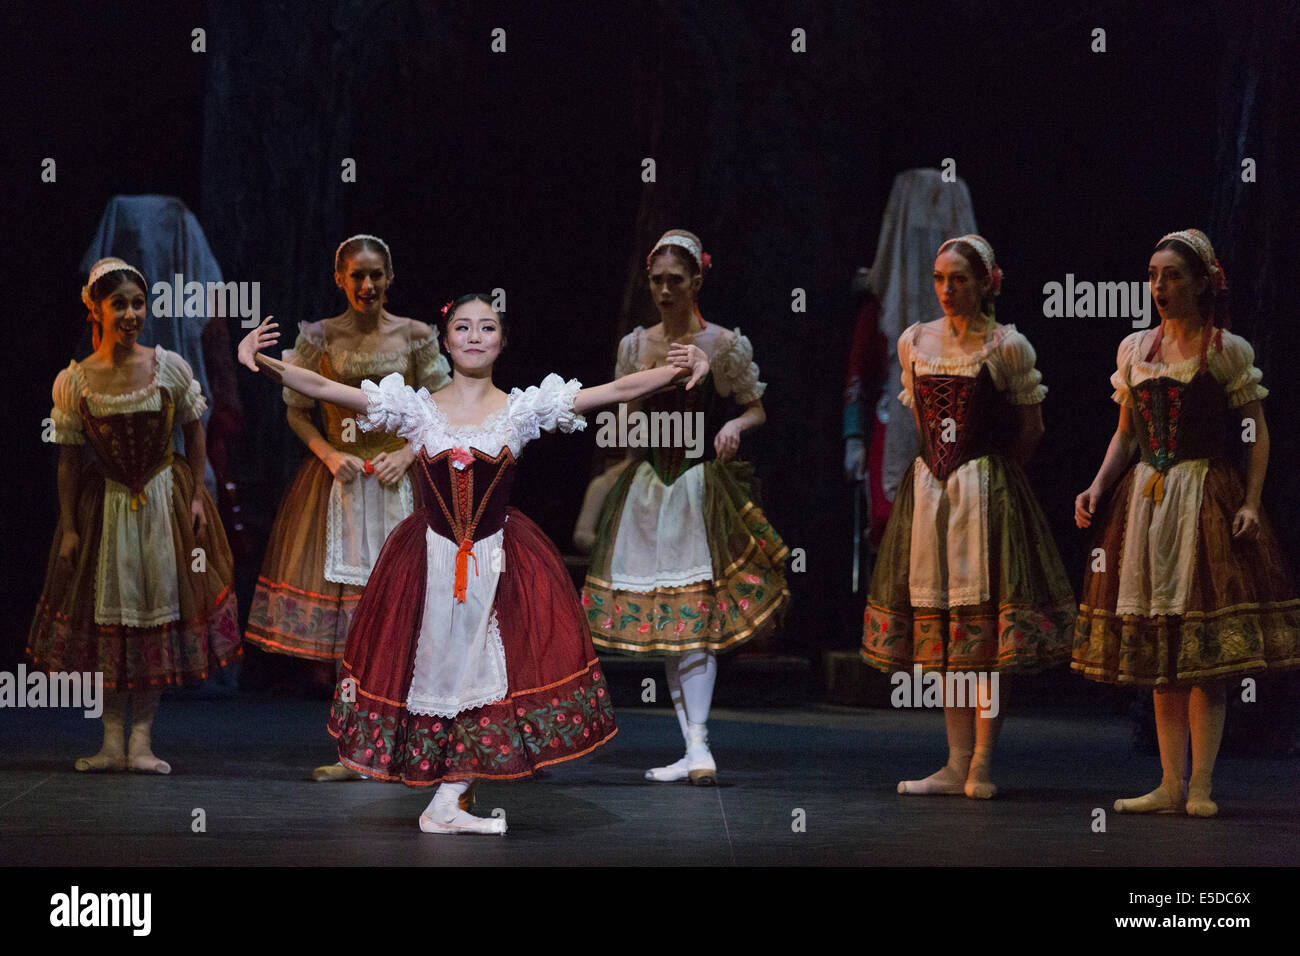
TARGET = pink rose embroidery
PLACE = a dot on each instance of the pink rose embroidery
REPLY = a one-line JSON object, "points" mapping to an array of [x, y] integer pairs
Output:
{"points": [[461, 458]]}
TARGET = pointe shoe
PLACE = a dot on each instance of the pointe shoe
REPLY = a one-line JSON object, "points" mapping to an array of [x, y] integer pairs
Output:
{"points": [[335, 772], [100, 763], [148, 763], [947, 781], [1199, 803], [980, 790], [669, 774], [699, 761], [462, 823], [1159, 800]]}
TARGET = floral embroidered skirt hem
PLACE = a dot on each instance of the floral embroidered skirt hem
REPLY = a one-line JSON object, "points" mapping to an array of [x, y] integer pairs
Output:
{"points": [[558, 706], [1024, 626], [295, 611], [747, 596], [1241, 614], [65, 636]]}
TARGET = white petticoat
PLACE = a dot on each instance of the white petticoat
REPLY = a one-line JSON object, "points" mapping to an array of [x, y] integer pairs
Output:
{"points": [[950, 536], [360, 516], [135, 578], [1159, 549], [460, 662], [661, 540]]}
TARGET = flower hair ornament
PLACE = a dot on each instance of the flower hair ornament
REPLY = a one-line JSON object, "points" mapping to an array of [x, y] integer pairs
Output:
{"points": [[985, 252], [388, 255], [1199, 243], [447, 308]]}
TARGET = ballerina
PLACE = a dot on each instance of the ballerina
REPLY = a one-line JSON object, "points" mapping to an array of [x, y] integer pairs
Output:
{"points": [[468, 656], [968, 579], [685, 564], [138, 582], [1194, 587], [353, 488]]}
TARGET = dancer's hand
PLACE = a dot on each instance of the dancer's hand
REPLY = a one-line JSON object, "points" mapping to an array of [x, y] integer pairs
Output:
{"points": [[198, 517], [691, 357], [69, 542], [390, 466], [256, 340], [727, 442], [1245, 524], [1085, 506], [343, 466]]}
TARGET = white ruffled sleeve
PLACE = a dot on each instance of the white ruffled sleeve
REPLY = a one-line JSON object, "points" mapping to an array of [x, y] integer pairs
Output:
{"points": [[545, 408], [626, 362], [734, 371], [1123, 360], [905, 360], [393, 406], [1022, 382], [1239, 375], [67, 407], [177, 377], [304, 354]]}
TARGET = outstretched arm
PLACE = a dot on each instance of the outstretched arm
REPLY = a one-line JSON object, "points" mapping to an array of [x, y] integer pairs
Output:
{"points": [[684, 361], [299, 379]]}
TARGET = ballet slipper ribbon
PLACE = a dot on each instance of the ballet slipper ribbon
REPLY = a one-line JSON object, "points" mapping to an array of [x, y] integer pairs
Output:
{"points": [[463, 554], [1155, 487]]}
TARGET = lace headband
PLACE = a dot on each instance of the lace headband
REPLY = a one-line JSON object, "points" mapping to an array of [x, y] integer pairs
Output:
{"points": [[388, 255], [102, 268], [985, 252]]}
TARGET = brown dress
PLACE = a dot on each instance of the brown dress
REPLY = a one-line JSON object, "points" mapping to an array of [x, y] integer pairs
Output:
{"points": [[1170, 596], [326, 534], [146, 601]]}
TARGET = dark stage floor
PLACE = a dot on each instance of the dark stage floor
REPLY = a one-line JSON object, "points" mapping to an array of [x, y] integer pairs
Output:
{"points": [[245, 761]]}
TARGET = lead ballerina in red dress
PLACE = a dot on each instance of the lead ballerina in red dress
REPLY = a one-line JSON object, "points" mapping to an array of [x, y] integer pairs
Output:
{"points": [[468, 657]]}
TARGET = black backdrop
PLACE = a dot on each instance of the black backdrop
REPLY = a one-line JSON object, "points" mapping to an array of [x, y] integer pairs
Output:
{"points": [[522, 170]]}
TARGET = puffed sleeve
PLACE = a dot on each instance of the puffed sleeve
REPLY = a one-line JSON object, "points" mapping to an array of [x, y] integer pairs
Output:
{"points": [[393, 406], [177, 377], [1124, 359], [1020, 379], [304, 354], [67, 407], [905, 360], [735, 372], [545, 408], [431, 368], [626, 362], [1240, 377]]}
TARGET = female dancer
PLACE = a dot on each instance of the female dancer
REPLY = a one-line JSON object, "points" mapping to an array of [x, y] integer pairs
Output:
{"points": [[1189, 586], [452, 674], [685, 563], [137, 586], [353, 489], [968, 579]]}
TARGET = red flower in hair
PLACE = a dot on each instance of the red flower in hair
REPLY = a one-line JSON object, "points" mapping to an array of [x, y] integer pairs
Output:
{"points": [[447, 308], [1217, 277], [706, 262], [996, 277]]}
